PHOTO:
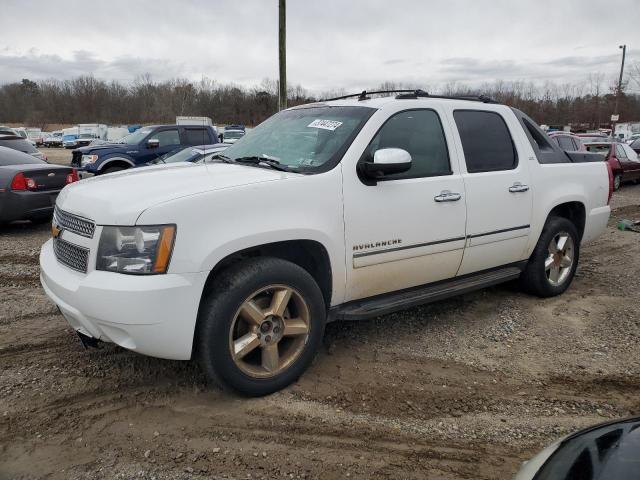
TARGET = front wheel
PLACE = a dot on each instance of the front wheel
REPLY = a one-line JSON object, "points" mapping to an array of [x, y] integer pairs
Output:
{"points": [[554, 260], [617, 180], [261, 326]]}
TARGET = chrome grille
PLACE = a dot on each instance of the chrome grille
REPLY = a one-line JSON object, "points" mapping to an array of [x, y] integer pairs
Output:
{"points": [[74, 223], [71, 255]]}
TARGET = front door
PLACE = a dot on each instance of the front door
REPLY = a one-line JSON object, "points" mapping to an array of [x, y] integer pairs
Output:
{"points": [[499, 197], [168, 139], [409, 228]]}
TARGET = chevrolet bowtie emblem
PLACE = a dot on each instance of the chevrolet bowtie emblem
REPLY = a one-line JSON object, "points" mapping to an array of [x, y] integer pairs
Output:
{"points": [[55, 230]]}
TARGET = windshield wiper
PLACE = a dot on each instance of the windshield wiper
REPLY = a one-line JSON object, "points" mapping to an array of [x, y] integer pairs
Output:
{"points": [[255, 160], [220, 156]]}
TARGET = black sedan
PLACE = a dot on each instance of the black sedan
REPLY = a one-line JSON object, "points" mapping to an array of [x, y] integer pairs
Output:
{"points": [[29, 186]]}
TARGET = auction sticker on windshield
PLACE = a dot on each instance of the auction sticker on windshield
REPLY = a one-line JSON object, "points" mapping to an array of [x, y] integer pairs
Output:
{"points": [[325, 124]]}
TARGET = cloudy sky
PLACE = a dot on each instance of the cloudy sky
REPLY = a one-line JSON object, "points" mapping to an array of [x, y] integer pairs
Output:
{"points": [[350, 44]]}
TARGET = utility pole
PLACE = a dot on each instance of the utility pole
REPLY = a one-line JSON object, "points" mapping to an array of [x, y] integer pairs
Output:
{"points": [[282, 47], [619, 91]]}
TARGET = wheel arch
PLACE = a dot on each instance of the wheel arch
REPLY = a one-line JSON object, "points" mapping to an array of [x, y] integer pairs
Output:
{"points": [[574, 211], [116, 161], [311, 255]]}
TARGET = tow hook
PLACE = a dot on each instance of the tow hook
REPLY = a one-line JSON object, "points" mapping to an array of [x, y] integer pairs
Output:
{"points": [[88, 341]]}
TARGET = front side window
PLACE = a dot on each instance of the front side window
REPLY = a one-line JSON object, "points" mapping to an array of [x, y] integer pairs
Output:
{"points": [[309, 139], [486, 141], [420, 133], [167, 137]]}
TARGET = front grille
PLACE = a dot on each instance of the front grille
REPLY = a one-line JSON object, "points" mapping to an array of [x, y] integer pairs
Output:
{"points": [[71, 255], [74, 223]]}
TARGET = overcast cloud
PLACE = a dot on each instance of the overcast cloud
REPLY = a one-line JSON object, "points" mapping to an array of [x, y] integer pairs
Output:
{"points": [[331, 43]]}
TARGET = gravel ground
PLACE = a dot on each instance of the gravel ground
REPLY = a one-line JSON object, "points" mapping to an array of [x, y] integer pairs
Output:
{"points": [[465, 388]]}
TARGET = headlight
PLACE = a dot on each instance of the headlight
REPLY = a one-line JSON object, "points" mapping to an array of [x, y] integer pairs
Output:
{"points": [[87, 159], [136, 250]]}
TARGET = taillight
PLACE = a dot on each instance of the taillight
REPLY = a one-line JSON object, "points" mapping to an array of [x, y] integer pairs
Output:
{"points": [[72, 177], [19, 182], [610, 173]]}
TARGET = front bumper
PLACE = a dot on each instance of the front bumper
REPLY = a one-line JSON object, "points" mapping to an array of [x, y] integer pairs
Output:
{"points": [[154, 315]]}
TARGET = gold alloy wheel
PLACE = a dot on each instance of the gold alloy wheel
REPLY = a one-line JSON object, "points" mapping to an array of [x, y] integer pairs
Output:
{"points": [[269, 331], [560, 257]]}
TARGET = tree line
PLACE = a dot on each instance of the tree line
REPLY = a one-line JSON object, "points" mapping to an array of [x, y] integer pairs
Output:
{"points": [[85, 99]]}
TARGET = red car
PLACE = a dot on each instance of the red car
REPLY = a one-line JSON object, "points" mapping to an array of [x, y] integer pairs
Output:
{"points": [[623, 160], [568, 142]]}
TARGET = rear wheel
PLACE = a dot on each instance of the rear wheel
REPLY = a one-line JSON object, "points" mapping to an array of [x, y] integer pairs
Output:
{"points": [[554, 260], [261, 326]]}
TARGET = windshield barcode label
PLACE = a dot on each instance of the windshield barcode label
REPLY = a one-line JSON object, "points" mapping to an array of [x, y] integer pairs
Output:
{"points": [[325, 124]]}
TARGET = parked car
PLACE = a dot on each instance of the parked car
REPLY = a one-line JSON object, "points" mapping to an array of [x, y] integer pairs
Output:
{"points": [[16, 142], [622, 159], [7, 131], [35, 135], [54, 140], [607, 451], [233, 133], [349, 209], [593, 137], [193, 154], [29, 186], [85, 139], [568, 142], [22, 132], [139, 148]]}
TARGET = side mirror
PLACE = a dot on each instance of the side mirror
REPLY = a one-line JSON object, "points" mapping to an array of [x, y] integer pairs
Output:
{"points": [[153, 143], [387, 161]]}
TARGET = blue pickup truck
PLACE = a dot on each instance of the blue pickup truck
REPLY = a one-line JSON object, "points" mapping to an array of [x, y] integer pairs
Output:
{"points": [[140, 147]]}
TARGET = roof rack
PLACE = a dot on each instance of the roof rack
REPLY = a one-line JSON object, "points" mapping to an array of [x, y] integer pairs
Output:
{"points": [[412, 94]]}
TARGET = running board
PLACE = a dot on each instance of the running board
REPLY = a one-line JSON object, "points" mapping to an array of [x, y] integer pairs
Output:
{"points": [[391, 302]]}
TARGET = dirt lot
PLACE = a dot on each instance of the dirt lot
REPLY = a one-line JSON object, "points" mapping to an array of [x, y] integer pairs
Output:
{"points": [[466, 388]]}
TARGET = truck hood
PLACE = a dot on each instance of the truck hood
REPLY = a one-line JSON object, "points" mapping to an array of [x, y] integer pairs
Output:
{"points": [[115, 147], [119, 198]]}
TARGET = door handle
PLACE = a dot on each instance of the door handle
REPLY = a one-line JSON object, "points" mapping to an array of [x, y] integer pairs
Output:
{"points": [[518, 187], [447, 196]]}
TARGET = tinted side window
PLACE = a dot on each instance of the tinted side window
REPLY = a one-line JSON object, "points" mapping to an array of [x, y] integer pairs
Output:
{"points": [[167, 137], [620, 153], [565, 143], [486, 141], [420, 133], [197, 136]]}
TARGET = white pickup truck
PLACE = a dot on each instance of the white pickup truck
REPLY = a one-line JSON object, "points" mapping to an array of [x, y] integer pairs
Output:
{"points": [[344, 209]]}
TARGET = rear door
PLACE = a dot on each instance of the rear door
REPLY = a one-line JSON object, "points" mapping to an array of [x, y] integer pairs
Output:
{"points": [[496, 179]]}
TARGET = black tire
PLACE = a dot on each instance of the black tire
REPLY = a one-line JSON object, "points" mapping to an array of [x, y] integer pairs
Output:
{"points": [[111, 170], [534, 279], [617, 181], [216, 319]]}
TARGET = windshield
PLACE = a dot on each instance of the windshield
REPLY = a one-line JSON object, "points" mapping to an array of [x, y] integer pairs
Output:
{"points": [[181, 155], [303, 139], [68, 138], [136, 137], [86, 135], [233, 134]]}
